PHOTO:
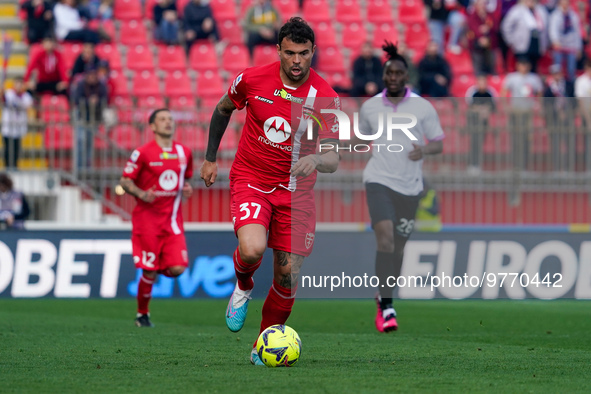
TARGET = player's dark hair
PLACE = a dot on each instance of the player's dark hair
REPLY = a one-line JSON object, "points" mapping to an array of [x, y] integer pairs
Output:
{"points": [[5, 180], [392, 51], [297, 30], [153, 115]]}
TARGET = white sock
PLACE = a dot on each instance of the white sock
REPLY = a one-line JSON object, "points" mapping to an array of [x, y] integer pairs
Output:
{"points": [[388, 312]]}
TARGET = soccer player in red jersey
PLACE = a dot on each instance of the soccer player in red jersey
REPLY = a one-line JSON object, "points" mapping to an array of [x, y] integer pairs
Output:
{"points": [[275, 169], [156, 175]]}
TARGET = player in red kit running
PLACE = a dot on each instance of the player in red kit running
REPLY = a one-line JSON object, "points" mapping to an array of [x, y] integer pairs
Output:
{"points": [[156, 175], [274, 170]]}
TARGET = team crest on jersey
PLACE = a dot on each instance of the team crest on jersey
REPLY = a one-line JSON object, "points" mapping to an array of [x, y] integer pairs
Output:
{"points": [[235, 84], [287, 96], [309, 240]]}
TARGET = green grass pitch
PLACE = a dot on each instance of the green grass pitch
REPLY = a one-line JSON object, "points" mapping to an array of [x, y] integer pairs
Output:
{"points": [[56, 346]]}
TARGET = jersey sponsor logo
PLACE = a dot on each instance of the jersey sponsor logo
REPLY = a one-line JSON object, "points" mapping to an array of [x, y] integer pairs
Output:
{"points": [[168, 156], [235, 84], [287, 96], [156, 163], [264, 99], [135, 155], [309, 240], [277, 129], [168, 180]]}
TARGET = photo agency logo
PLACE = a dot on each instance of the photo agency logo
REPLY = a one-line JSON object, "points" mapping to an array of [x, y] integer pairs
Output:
{"points": [[382, 137]]}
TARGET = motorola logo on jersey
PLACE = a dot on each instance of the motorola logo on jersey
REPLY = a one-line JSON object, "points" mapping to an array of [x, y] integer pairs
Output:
{"points": [[168, 180], [277, 129]]}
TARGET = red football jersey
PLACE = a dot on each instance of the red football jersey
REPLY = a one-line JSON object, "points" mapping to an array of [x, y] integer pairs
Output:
{"points": [[166, 170], [275, 134]]}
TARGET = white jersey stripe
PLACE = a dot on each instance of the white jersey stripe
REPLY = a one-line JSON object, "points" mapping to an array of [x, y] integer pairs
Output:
{"points": [[177, 201], [302, 128]]}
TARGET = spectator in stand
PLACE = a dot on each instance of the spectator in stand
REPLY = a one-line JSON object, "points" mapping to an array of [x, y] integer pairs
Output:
{"points": [[437, 20], [104, 75], [49, 70], [89, 98], [434, 73], [166, 22], [199, 23], [583, 95], [262, 24], [39, 19], [559, 111], [525, 30], [502, 10], [69, 25], [481, 101], [522, 86], [565, 36], [367, 73], [14, 208], [17, 102], [413, 75], [457, 23], [98, 9], [86, 59], [483, 30]]}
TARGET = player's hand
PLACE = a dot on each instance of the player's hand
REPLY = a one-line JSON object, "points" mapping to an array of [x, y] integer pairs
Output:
{"points": [[416, 153], [305, 166], [148, 195], [209, 171], [187, 190]]}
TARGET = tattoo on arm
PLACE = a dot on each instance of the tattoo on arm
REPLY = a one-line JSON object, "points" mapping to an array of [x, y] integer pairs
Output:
{"points": [[130, 187], [217, 127]]}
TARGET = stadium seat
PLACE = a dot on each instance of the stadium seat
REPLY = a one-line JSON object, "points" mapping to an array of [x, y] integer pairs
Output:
{"points": [[348, 11], [184, 109], [206, 107], [146, 83], [124, 107], [107, 25], [354, 35], [126, 137], [383, 32], [203, 57], [110, 53], [460, 63], [58, 137], [287, 8], [191, 137], [316, 11], [417, 36], [54, 102], [69, 54], [331, 60], [379, 11], [325, 35], [495, 83], [235, 58], [264, 54], [101, 138], [149, 9], [339, 80], [133, 33], [223, 9], [182, 102], [180, 6], [411, 11], [244, 6], [461, 83], [231, 32], [171, 58], [121, 84], [177, 84], [150, 102], [209, 84], [140, 58], [127, 10]]}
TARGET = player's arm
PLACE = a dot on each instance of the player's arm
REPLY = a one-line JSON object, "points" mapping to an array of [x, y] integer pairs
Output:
{"points": [[217, 127], [130, 187], [325, 161]]}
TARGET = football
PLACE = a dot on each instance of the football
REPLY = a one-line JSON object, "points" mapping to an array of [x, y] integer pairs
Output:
{"points": [[279, 346]]}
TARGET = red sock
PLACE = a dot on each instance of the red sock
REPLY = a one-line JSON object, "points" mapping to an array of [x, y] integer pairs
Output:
{"points": [[244, 272], [144, 294], [277, 306]]}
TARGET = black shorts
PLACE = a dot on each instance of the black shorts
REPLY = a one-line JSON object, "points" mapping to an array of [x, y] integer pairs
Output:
{"points": [[386, 204]]}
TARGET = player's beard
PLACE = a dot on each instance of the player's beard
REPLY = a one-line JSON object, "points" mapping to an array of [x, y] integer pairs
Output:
{"points": [[297, 78]]}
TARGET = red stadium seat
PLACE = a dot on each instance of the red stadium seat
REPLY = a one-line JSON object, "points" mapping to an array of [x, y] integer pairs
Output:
{"points": [[209, 84], [354, 36], [202, 56], [110, 53], [244, 6], [107, 25], [379, 11], [235, 58], [177, 84], [58, 137], [69, 54], [264, 54], [383, 32], [316, 11], [127, 137], [417, 36], [339, 80], [146, 83], [190, 136], [133, 33], [460, 63], [461, 83], [184, 109], [127, 9], [411, 11], [325, 35], [231, 32], [150, 102], [331, 60], [54, 102], [348, 11], [287, 8], [149, 9], [140, 58], [121, 84], [495, 83], [124, 107], [180, 6], [223, 9], [182, 102], [171, 58]]}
